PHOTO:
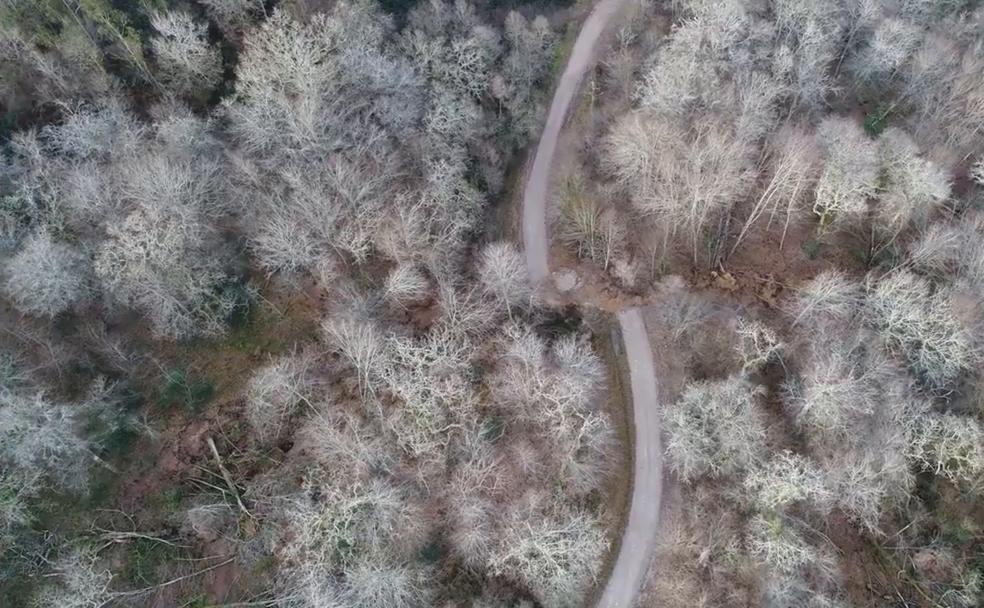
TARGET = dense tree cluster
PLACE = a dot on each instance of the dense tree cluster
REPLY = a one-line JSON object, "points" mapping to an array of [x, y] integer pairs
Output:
{"points": [[756, 101]]}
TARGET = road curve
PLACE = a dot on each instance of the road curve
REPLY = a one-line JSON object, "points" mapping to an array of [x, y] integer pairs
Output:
{"points": [[639, 535], [535, 241]]}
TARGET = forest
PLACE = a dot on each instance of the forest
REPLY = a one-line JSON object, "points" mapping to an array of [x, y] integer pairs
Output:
{"points": [[259, 346], [267, 336], [794, 189]]}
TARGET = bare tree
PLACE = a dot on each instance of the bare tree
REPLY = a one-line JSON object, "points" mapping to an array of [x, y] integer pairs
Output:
{"points": [[844, 383], [234, 15], [915, 321], [407, 284], [977, 172], [187, 63], [831, 296], [688, 180], [794, 163], [849, 176], [48, 277], [503, 275], [383, 581], [714, 429], [885, 51], [43, 438], [156, 260], [343, 543], [596, 232], [789, 479], [912, 186], [952, 446], [362, 345], [526, 62], [758, 345], [556, 551]]}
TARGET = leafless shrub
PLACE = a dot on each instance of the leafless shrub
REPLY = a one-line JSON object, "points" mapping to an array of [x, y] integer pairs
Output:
{"points": [[275, 392], [80, 582]]}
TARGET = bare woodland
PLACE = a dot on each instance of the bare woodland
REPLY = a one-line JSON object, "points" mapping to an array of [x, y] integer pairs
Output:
{"points": [[265, 343], [804, 179], [174, 173]]}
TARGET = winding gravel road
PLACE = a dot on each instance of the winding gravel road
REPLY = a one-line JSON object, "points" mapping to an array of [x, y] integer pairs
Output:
{"points": [[639, 535], [535, 241]]}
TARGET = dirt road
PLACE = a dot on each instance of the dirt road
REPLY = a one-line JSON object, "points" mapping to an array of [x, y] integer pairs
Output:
{"points": [[535, 241], [639, 535]]}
